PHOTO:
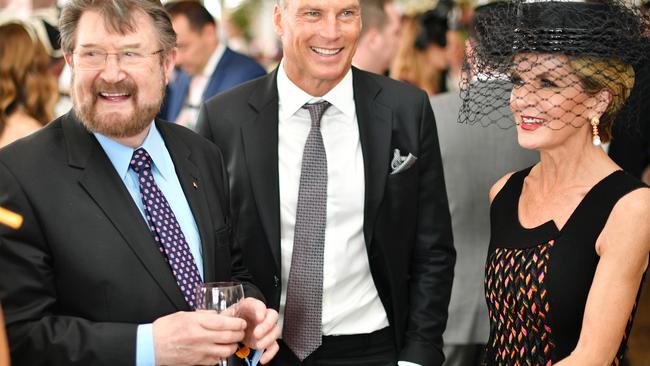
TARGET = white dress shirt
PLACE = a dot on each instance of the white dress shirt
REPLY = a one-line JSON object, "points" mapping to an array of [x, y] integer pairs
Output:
{"points": [[351, 304], [198, 83]]}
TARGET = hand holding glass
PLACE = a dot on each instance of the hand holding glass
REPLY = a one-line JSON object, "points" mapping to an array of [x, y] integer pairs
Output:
{"points": [[222, 297]]}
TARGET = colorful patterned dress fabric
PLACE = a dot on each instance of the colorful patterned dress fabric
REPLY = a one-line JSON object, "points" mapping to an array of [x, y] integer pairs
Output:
{"points": [[537, 279], [518, 305]]}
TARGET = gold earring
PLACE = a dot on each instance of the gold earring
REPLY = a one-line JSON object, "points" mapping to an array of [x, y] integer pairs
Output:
{"points": [[595, 121]]}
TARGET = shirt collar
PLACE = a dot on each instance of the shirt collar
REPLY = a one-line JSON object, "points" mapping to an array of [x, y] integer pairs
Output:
{"points": [[214, 59], [292, 98], [120, 155]]}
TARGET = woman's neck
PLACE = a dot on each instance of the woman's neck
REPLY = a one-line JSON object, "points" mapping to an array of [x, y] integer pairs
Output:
{"points": [[564, 166]]}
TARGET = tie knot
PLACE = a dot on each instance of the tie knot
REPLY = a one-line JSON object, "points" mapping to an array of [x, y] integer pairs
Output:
{"points": [[140, 160], [316, 111]]}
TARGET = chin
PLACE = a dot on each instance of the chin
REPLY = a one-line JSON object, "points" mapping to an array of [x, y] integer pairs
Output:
{"points": [[332, 73], [528, 142]]}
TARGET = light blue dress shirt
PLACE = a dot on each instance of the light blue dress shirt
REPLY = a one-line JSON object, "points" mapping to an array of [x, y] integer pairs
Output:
{"points": [[165, 175]]}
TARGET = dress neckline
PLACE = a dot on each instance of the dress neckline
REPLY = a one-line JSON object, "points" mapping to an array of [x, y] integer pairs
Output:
{"points": [[550, 226]]}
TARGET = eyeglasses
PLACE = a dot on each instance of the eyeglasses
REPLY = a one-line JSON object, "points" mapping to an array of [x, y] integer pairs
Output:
{"points": [[90, 59]]}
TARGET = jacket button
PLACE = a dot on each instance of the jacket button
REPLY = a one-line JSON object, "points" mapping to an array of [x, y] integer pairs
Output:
{"points": [[276, 281]]}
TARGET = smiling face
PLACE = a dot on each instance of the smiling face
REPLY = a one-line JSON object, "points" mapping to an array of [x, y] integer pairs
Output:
{"points": [[319, 38], [115, 101], [548, 101]]}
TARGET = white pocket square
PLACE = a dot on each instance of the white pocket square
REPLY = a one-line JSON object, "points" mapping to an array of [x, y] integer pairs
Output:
{"points": [[401, 163]]}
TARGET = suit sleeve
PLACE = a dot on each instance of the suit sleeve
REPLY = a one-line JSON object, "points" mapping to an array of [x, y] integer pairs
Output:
{"points": [[433, 257], [37, 334]]}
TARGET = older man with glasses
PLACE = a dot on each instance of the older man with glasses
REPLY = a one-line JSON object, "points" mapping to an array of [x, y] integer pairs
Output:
{"points": [[124, 215]]}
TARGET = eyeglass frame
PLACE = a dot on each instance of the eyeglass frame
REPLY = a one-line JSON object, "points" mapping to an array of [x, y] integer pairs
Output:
{"points": [[118, 56]]}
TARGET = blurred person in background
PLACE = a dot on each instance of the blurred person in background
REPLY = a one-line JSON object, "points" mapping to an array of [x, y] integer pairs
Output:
{"points": [[459, 15], [205, 66], [630, 147], [421, 58], [380, 36], [28, 92], [455, 55], [44, 21]]}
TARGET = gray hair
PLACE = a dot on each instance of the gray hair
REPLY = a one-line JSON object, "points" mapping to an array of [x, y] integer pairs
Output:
{"points": [[118, 15]]}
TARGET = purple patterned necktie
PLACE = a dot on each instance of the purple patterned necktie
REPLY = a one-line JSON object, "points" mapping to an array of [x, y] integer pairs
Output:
{"points": [[165, 228], [304, 305]]}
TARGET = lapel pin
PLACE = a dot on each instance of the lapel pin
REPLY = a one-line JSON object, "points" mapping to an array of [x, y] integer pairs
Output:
{"points": [[195, 185]]}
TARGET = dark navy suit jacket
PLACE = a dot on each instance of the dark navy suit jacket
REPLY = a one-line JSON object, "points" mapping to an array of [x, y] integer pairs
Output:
{"points": [[233, 69]]}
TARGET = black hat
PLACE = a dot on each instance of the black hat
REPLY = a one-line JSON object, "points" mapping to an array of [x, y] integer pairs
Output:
{"points": [[606, 32]]}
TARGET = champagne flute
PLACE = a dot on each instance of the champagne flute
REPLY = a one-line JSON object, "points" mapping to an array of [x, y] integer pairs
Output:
{"points": [[222, 297]]}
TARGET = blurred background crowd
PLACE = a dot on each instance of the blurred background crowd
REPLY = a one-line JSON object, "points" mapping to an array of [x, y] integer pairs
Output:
{"points": [[419, 42], [226, 42]]}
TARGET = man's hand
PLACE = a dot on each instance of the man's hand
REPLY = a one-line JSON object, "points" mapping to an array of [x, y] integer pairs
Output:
{"points": [[196, 338], [262, 328]]}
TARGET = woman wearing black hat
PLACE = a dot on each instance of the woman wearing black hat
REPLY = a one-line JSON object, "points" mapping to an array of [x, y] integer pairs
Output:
{"points": [[570, 236]]}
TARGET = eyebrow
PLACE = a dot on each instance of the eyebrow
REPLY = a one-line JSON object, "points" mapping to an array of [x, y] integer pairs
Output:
{"points": [[350, 6], [91, 45]]}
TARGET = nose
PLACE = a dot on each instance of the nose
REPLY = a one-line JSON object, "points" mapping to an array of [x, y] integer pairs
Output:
{"points": [[330, 28], [112, 72]]}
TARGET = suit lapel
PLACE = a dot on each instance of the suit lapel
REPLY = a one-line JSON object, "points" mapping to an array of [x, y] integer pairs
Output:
{"points": [[260, 137], [375, 129], [106, 188], [189, 177]]}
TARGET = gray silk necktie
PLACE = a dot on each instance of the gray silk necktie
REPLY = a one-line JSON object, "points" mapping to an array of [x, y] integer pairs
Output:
{"points": [[304, 305]]}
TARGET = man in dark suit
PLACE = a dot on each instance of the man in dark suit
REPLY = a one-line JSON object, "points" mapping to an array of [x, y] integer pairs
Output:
{"points": [[206, 67], [345, 228], [124, 216]]}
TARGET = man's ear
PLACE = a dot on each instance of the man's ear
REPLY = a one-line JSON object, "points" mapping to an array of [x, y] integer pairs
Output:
{"points": [[68, 59], [169, 61], [277, 20], [209, 31]]}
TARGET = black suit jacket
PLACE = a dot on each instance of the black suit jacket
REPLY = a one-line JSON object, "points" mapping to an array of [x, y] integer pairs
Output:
{"points": [[84, 269], [407, 227]]}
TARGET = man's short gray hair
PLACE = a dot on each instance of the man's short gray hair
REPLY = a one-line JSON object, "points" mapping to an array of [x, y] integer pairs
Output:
{"points": [[118, 15]]}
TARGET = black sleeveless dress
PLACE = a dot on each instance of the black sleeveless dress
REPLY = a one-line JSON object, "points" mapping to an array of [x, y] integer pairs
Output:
{"points": [[537, 280]]}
